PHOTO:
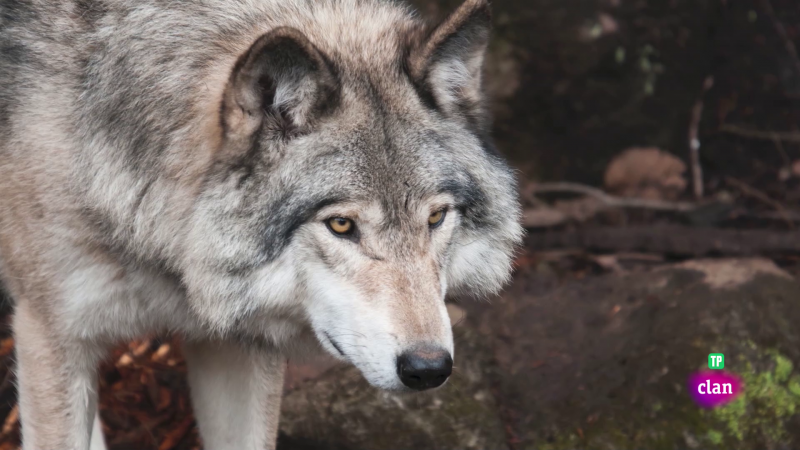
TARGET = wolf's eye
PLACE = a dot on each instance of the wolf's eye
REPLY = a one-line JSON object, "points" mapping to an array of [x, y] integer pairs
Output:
{"points": [[340, 225], [436, 219]]}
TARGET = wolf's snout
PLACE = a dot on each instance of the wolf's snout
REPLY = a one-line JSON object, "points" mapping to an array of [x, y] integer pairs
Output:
{"points": [[424, 368]]}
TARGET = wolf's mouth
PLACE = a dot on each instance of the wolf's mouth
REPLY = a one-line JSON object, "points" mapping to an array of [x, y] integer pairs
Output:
{"points": [[334, 344]]}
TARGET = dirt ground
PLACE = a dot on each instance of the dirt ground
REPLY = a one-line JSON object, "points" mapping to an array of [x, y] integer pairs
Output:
{"points": [[591, 345]]}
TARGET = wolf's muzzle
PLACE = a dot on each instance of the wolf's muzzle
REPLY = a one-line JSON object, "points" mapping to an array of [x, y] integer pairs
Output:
{"points": [[424, 368]]}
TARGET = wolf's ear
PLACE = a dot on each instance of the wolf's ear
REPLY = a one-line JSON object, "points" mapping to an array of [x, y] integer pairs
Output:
{"points": [[282, 81], [448, 62]]}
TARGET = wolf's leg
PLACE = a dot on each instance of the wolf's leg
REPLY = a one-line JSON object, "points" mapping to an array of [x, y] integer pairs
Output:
{"points": [[236, 395], [98, 441], [57, 384]]}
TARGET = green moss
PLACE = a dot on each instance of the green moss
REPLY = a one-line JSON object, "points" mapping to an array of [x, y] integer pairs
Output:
{"points": [[794, 385], [657, 406], [783, 368], [770, 398], [714, 436], [732, 415], [758, 418]]}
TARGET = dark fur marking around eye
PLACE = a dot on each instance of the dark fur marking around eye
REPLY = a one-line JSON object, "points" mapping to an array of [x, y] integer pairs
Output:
{"points": [[291, 216], [278, 230], [301, 213], [470, 199]]}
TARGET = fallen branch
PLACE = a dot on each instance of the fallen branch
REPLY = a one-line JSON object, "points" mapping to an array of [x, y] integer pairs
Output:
{"points": [[545, 216], [785, 136], [677, 240], [794, 216], [749, 191], [610, 200], [593, 202]]}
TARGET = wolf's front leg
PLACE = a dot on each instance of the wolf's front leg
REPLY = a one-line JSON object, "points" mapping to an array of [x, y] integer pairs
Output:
{"points": [[56, 376], [236, 394]]}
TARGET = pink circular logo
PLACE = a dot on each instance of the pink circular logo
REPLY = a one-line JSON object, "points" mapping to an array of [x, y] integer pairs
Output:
{"points": [[710, 389]]}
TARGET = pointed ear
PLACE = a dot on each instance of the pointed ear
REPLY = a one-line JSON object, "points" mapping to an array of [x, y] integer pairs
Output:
{"points": [[448, 63], [282, 82]]}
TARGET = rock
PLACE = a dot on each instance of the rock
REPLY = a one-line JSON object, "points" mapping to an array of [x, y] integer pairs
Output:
{"points": [[341, 411], [603, 362]]}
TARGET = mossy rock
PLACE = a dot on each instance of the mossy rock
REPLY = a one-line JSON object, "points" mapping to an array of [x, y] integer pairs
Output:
{"points": [[341, 411], [603, 362]]}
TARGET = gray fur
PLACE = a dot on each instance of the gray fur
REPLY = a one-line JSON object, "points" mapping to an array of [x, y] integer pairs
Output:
{"points": [[167, 167]]}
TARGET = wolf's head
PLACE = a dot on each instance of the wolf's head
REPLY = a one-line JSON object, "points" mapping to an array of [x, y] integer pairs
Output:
{"points": [[355, 186]]}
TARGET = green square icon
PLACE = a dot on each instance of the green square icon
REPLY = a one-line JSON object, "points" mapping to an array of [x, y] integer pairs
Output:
{"points": [[716, 361]]}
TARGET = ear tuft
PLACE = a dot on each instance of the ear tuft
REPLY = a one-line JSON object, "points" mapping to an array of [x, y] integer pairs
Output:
{"points": [[282, 81], [449, 61]]}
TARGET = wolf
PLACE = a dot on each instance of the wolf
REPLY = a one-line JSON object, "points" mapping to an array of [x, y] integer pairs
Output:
{"points": [[258, 177]]}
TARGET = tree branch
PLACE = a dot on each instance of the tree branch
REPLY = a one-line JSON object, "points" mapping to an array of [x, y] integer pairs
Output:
{"points": [[675, 240], [786, 136]]}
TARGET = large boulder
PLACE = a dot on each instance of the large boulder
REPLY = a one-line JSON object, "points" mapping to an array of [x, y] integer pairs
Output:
{"points": [[603, 362]]}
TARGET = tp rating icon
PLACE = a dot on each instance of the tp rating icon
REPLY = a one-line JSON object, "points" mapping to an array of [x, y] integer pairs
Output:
{"points": [[716, 361]]}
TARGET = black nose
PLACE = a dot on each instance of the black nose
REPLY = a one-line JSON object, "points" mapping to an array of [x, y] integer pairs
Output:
{"points": [[424, 368]]}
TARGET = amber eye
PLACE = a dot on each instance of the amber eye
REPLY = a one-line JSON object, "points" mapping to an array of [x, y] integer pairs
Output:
{"points": [[436, 219], [340, 225]]}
